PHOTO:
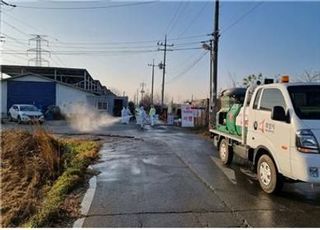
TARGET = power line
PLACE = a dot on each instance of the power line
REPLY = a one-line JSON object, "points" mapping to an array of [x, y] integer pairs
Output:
{"points": [[191, 48], [15, 28], [193, 64], [242, 17], [185, 4], [174, 16], [6, 4], [23, 22], [96, 46], [77, 52], [95, 43], [86, 7], [193, 19], [58, 59], [188, 37], [14, 39], [132, 42], [35, 29], [15, 54]]}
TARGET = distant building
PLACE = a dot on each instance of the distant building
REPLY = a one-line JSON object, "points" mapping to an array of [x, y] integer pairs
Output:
{"points": [[64, 87]]}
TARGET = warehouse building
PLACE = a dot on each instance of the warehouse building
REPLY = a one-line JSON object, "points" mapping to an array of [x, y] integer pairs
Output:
{"points": [[63, 87]]}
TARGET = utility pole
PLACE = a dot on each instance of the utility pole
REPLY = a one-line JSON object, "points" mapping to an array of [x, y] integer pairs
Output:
{"points": [[138, 97], [214, 48], [38, 50], [209, 47], [163, 65], [152, 80]]}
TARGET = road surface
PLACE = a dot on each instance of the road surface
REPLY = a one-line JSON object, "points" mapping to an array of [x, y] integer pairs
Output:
{"points": [[170, 177], [167, 177]]}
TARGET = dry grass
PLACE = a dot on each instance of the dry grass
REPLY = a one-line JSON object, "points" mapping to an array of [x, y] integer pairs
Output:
{"points": [[29, 162], [37, 171]]}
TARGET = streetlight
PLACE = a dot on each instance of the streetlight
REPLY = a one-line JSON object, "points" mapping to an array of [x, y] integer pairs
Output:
{"points": [[209, 47]]}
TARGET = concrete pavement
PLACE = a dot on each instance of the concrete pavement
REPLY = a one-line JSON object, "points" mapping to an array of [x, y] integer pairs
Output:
{"points": [[143, 183]]}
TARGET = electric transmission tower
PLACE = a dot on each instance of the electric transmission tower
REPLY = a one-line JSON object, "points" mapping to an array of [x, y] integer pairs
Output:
{"points": [[38, 60]]}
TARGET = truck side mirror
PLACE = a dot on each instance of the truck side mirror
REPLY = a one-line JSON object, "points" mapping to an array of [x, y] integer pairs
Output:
{"points": [[278, 114]]}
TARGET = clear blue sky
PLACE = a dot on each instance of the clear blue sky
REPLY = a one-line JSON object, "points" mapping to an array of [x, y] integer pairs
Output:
{"points": [[271, 38]]}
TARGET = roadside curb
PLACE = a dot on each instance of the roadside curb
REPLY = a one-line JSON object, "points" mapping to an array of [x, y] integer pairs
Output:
{"points": [[87, 201]]}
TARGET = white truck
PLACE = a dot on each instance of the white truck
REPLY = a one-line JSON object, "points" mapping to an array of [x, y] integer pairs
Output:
{"points": [[276, 127]]}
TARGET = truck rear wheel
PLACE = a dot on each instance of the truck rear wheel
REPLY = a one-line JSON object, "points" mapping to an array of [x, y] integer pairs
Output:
{"points": [[268, 176], [225, 152]]}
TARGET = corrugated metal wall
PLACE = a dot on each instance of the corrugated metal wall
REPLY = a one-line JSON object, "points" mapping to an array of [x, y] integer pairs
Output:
{"points": [[41, 94]]}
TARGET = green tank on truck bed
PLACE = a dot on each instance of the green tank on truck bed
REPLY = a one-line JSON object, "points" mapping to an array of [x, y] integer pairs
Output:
{"points": [[231, 101]]}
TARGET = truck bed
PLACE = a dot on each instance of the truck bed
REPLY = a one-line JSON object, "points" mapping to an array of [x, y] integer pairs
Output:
{"points": [[231, 136]]}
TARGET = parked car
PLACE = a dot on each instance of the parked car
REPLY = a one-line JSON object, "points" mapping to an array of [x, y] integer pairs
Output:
{"points": [[25, 113]]}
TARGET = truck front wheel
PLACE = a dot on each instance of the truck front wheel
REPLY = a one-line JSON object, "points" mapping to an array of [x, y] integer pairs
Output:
{"points": [[268, 176], [225, 152]]}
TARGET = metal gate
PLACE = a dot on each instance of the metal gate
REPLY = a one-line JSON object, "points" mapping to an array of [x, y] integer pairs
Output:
{"points": [[40, 94]]}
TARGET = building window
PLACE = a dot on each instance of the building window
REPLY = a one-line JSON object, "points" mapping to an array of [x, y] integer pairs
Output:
{"points": [[102, 105]]}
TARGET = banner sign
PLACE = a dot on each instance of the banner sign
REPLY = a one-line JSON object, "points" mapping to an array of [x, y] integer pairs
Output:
{"points": [[187, 115]]}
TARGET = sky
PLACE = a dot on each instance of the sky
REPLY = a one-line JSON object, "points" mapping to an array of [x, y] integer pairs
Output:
{"points": [[116, 44]]}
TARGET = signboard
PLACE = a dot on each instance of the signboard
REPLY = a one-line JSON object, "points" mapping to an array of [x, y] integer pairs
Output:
{"points": [[187, 115]]}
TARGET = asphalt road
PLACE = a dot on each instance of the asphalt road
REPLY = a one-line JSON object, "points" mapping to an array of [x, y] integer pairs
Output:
{"points": [[169, 177]]}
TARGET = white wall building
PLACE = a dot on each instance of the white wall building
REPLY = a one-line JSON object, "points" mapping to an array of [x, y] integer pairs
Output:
{"points": [[42, 92]]}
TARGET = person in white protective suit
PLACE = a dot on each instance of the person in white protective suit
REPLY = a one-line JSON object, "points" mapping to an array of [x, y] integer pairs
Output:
{"points": [[129, 115], [123, 115], [152, 115], [138, 120], [143, 117]]}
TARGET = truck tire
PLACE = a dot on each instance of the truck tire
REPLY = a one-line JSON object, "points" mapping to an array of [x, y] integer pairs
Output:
{"points": [[269, 178], [225, 152]]}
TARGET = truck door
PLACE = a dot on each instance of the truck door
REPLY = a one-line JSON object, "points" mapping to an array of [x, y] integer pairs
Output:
{"points": [[274, 135]]}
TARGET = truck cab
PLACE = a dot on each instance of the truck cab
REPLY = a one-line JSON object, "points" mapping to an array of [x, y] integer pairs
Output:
{"points": [[284, 123], [280, 135]]}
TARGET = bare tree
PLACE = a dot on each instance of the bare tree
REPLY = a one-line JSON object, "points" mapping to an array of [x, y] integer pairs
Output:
{"points": [[232, 77], [247, 81], [310, 76], [157, 99]]}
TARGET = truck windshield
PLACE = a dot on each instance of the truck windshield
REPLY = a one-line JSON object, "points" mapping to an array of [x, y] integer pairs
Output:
{"points": [[306, 101]]}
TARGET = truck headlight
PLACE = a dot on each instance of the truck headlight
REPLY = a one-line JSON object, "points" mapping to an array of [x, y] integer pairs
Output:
{"points": [[306, 141]]}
